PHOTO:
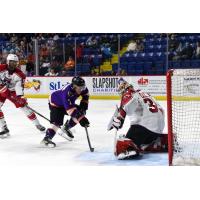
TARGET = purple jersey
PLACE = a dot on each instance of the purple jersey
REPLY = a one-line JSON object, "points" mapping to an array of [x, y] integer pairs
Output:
{"points": [[67, 96]]}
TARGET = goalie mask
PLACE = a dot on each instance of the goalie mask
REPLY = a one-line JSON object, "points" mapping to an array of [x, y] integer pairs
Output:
{"points": [[123, 85]]}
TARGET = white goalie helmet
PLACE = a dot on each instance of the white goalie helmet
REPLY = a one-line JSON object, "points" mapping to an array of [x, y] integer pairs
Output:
{"points": [[123, 85], [12, 57]]}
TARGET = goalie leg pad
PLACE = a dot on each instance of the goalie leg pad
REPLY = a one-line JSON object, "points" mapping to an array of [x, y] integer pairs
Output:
{"points": [[126, 149]]}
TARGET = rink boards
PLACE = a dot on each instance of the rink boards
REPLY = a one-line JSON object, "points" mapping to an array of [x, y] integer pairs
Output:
{"points": [[99, 87]]}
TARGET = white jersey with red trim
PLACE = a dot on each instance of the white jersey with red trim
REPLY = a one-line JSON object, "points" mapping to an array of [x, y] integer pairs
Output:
{"points": [[142, 109], [14, 80]]}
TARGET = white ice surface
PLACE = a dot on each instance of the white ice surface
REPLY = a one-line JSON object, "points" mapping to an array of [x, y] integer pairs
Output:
{"points": [[23, 147]]}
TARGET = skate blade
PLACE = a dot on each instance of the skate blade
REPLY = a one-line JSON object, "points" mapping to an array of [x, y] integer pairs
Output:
{"points": [[43, 132], [4, 136], [65, 136], [47, 145]]}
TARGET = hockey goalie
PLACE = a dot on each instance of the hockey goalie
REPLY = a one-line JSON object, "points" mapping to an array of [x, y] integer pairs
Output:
{"points": [[146, 123]]}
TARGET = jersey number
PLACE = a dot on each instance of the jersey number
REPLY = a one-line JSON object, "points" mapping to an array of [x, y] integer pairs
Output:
{"points": [[152, 106]]}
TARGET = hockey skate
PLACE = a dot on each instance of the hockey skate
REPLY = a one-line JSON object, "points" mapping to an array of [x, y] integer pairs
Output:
{"points": [[40, 127], [47, 142], [66, 133], [5, 132]]}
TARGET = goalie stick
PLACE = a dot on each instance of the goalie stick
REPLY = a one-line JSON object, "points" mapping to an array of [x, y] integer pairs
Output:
{"points": [[109, 127]]}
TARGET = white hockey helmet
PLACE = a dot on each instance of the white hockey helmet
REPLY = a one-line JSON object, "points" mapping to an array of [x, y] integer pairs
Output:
{"points": [[12, 57]]}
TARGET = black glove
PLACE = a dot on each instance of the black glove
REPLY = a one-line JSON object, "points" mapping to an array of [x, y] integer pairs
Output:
{"points": [[83, 107], [84, 122]]}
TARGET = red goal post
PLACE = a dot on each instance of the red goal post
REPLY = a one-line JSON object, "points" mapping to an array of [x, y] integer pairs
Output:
{"points": [[169, 116]]}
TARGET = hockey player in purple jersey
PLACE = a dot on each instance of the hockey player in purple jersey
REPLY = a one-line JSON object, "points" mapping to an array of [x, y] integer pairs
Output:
{"points": [[61, 103]]}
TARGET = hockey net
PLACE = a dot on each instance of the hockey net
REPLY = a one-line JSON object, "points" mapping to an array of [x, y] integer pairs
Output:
{"points": [[183, 105]]}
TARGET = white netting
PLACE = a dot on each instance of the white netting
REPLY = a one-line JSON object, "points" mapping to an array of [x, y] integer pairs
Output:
{"points": [[186, 117]]}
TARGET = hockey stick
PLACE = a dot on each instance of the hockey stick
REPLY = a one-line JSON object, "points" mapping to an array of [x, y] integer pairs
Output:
{"points": [[109, 127], [88, 139], [115, 140], [59, 133], [39, 114]]}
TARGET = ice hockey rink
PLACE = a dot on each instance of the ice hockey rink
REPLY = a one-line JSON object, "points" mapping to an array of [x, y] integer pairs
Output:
{"points": [[23, 147]]}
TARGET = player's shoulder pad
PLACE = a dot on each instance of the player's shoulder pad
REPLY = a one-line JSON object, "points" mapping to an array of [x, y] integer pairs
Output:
{"points": [[19, 73], [3, 67], [127, 97]]}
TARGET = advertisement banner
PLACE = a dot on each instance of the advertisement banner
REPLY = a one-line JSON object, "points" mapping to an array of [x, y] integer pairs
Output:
{"points": [[154, 85], [43, 86], [103, 87]]}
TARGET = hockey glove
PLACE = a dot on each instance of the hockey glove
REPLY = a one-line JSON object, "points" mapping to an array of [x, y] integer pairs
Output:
{"points": [[19, 101], [83, 107], [84, 122], [22, 101], [4, 91], [117, 122]]}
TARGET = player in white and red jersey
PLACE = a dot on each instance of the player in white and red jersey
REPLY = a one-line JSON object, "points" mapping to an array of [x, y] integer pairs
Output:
{"points": [[12, 88], [146, 119]]}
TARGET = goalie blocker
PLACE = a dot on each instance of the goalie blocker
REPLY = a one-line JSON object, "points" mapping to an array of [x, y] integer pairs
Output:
{"points": [[147, 123]]}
